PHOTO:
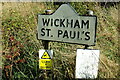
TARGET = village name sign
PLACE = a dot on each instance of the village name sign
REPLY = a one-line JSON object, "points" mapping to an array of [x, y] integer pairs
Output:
{"points": [[65, 25]]}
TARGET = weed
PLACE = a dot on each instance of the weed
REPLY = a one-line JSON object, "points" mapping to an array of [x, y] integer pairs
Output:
{"points": [[20, 44]]}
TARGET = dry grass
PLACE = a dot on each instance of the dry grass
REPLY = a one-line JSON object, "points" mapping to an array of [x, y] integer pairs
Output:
{"points": [[65, 54], [24, 9], [108, 66]]}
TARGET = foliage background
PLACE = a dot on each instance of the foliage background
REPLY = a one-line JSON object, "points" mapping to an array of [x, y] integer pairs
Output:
{"points": [[20, 44]]}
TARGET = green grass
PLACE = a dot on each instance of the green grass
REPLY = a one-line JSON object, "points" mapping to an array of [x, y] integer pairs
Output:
{"points": [[20, 44]]}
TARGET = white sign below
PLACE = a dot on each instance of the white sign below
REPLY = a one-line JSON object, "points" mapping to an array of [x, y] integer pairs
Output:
{"points": [[87, 63]]}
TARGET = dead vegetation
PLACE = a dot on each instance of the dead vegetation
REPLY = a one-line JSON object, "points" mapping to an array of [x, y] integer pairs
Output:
{"points": [[19, 20]]}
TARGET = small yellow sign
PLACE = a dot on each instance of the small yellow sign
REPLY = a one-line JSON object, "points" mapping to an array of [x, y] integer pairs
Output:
{"points": [[45, 64], [45, 61]]}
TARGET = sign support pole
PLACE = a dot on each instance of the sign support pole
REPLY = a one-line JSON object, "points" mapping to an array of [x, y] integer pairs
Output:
{"points": [[87, 60], [45, 43], [89, 13], [86, 47]]}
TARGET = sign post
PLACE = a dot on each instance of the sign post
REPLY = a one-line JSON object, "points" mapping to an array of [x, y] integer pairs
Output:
{"points": [[65, 25], [45, 56], [46, 42], [87, 61]]}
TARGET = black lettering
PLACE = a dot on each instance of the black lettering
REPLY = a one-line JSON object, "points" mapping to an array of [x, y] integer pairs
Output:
{"points": [[87, 34], [51, 22], [69, 23], [72, 34], [43, 61], [55, 22], [47, 61], [45, 21], [77, 24], [65, 34], [59, 32], [48, 67], [48, 31], [78, 35], [85, 24], [43, 33], [62, 22]]}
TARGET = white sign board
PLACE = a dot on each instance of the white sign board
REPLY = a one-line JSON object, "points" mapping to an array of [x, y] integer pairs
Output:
{"points": [[87, 63], [65, 25], [45, 59]]}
